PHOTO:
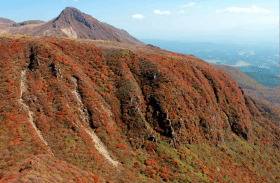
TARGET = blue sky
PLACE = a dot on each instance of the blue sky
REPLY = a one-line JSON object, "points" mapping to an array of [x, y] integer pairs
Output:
{"points": [[239, 21]]}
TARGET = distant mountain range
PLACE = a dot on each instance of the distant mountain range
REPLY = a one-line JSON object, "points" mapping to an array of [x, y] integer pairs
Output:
{"points": [[70, 23]]}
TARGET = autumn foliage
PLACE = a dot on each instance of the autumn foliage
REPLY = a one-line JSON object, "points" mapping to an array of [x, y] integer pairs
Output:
{"points": [[165, 117]]}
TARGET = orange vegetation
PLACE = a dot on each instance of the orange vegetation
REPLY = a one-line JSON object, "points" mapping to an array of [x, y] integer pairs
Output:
{"points": [[165, 117]]}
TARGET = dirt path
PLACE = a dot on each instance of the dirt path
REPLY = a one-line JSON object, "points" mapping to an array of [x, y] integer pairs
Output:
{"points": [[23, 88], [100, 147]]}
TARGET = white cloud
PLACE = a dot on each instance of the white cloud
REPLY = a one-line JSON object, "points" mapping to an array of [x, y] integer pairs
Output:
{"points": [[181, 12], [76, 0], [188, 5], [241, 63], [253, 9], [241, 53], [138, 16], [158, 12]]}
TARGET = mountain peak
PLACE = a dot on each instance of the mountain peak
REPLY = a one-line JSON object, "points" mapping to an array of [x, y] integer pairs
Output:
{"points": [[79, 24], [71, 15], [70, 10]]}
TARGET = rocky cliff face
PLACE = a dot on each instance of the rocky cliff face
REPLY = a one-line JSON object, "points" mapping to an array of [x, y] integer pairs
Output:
{"points": [[70, 23], [127, 115]]}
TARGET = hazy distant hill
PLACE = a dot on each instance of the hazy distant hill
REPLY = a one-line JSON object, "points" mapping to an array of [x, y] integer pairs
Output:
{"points": [[265, 79], [70, 23]]}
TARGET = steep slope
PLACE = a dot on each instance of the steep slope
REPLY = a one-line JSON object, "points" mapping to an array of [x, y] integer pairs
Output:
{"points": [[74, 24], [127, 115]]}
